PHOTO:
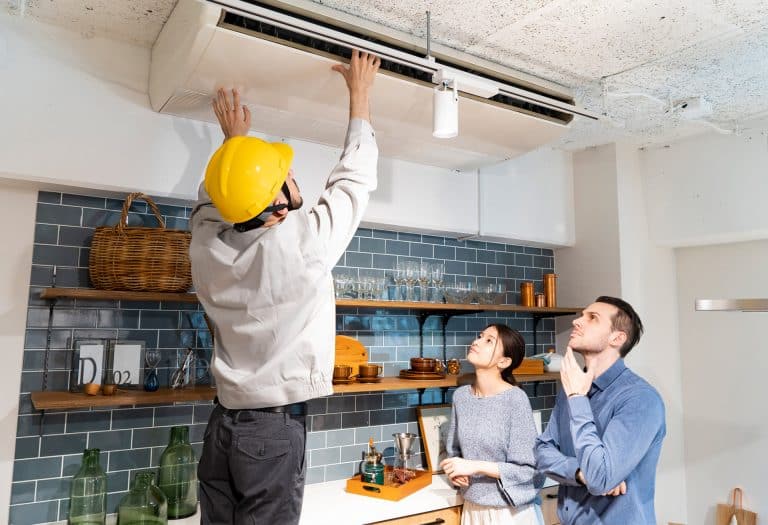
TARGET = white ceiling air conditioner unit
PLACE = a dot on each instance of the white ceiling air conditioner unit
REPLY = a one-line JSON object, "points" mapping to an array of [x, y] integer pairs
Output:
{"points": [[281, 61]]}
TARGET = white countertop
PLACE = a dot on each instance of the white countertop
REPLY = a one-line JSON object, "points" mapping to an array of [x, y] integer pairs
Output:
{"points": [[330, 504]]}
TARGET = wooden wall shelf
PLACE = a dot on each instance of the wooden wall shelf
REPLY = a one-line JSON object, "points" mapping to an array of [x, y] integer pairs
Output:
{"points": [[92, 294], [115, 295], [51, 400]]}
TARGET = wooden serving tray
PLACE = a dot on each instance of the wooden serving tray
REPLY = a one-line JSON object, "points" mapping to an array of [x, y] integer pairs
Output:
{"points": [[390, 491], [530, 366]]}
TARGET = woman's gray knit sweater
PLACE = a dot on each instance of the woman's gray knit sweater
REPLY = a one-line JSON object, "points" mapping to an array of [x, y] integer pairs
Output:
{"points": [[499, 429]]}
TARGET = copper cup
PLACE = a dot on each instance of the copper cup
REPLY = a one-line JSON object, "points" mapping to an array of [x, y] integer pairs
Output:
{"points": [[526, 293], [370, 370], [342, 371]]}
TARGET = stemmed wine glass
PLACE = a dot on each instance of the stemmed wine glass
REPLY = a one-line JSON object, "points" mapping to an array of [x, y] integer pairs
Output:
{"points": [[424, 273], [437, 272], [411, 276], [399, 278]]}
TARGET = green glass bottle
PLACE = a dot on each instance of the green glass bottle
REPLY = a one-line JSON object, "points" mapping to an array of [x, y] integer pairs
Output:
{"points": [[145, 504], [178, 474], [88, 495]]}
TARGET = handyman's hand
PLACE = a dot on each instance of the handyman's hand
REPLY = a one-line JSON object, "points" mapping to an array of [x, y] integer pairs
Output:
{"points": [[359, 77], [620, 489], [234, 119], [574, 379]]}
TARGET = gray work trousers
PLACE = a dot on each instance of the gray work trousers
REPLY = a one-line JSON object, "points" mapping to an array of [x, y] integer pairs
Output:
{"points": [[252, 468]]}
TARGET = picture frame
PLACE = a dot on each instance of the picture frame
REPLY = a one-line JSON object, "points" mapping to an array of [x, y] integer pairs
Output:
{"points": [[434, 421], [125, 363], [88, 363]]}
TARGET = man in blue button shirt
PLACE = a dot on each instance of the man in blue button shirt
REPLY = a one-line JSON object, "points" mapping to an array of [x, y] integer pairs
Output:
{"points": [[604, 437]]}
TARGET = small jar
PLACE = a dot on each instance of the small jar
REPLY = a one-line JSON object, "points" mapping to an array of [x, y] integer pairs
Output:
{"points": [[526, 293], [540, 300]]}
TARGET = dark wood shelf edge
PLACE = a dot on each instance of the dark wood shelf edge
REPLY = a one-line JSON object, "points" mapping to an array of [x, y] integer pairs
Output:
{"points": [[93, 294], [57, 400]]}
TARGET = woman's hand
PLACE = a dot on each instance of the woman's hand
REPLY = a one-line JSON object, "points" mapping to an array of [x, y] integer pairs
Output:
{"points": [[460, 481], [455, 467]]}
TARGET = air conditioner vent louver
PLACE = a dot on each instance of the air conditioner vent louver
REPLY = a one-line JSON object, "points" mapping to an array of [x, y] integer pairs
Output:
{"points": [[272, 32]]}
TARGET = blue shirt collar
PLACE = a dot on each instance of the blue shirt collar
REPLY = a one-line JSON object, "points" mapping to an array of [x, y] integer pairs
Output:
{"points": [[605, 379]]}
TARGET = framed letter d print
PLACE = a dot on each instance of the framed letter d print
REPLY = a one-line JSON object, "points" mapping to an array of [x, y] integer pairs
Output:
{"points": [[88, 362]]}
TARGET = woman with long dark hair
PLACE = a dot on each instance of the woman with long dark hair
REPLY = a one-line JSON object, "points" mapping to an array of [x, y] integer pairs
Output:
{"points": [[492, 435]]}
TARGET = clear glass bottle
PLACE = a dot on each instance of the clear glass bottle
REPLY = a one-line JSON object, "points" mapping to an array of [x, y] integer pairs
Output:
{"points": [[145, 504], [88, 495], [178, 474]]}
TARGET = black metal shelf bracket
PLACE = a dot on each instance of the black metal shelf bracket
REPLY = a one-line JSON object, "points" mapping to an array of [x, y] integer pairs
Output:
{"points": [[536, 320]]}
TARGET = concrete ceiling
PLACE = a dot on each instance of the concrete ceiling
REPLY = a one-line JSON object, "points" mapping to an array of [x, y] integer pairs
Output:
{"points": [[633, 61]]}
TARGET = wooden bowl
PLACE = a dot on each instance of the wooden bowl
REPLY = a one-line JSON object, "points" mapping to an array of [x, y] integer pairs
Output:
{"points": [[109, 390], [91, 388], [423, 364]]}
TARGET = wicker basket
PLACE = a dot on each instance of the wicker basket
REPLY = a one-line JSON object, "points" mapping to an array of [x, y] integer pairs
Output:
{"points": [[138, 258]]}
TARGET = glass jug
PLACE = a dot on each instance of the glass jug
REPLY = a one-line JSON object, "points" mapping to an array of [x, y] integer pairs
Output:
{"points": [[88, 495], [178, 474], [145, 504]]}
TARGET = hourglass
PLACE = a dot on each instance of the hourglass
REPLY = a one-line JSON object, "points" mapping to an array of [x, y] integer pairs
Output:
{"points": [[152, 359]]}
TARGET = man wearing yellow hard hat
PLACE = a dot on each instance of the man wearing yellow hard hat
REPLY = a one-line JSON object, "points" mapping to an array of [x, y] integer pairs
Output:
{"points": [[261, 267]]}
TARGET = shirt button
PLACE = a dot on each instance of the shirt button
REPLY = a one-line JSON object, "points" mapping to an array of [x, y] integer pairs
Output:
{"points": [[566, 509]]}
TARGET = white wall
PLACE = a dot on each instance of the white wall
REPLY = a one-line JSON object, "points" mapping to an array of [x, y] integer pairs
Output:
{"points": [[648, 283], [18, 205], [709, 189], [529, 198], [591, 267], [613, 255], [725, 360]]}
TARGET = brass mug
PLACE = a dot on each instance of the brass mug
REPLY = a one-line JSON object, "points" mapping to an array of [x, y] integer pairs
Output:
{"points": [[342, 371], [370, 370]]}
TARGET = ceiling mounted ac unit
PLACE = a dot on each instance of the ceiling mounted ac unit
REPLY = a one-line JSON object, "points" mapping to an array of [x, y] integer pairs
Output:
{"points": [[281, 62]]}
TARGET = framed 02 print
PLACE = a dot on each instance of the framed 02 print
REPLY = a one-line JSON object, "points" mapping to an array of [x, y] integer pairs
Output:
{"points": [[434, 421], [126, 363], [88, 363]]}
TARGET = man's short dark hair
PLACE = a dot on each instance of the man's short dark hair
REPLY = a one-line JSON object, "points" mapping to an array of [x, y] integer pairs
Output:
{"points": [[625, 320]]}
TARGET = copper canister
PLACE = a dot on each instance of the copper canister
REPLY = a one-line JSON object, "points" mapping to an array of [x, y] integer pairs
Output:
{"points": [[550, 289], [541, 301], [526, 293]]}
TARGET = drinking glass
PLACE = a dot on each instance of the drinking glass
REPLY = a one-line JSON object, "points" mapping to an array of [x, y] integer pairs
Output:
{"points": [[399, 278]]}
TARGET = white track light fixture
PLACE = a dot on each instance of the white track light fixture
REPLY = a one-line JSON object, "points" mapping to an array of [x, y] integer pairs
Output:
{"points": [[445, 111]]}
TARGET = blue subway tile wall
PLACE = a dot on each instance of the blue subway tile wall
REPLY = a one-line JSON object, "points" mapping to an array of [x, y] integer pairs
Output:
{"points": [[49, 446]]}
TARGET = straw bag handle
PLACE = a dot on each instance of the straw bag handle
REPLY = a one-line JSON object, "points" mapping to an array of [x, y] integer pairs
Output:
{"points": [[737, 492], [120, 226]]}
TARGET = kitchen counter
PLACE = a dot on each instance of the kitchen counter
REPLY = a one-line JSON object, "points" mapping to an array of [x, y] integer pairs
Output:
{"points": [[330, 504]]}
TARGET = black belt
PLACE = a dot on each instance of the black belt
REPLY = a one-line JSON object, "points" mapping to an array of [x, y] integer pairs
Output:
{"points": [[294, 409]]}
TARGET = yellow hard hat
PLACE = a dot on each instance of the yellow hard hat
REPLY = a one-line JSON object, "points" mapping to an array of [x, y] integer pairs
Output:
{"points": [[245, 175]]}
